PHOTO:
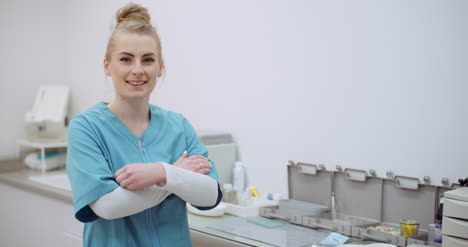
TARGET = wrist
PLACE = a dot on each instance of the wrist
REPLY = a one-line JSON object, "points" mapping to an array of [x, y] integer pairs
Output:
{"points": [[160, 173]]}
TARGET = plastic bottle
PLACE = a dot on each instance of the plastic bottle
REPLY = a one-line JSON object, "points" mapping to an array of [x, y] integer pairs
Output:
{"points": [[239, 177], [229, 194], [438, 222]]}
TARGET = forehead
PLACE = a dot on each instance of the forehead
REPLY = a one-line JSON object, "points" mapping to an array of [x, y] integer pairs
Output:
{"points": [[136, 44]]}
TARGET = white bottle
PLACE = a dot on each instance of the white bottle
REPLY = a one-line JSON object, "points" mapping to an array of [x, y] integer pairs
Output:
{"points": [[239, 177]]}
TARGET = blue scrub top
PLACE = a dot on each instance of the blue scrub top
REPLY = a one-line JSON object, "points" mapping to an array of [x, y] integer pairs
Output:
{"points": [[99, 144]]}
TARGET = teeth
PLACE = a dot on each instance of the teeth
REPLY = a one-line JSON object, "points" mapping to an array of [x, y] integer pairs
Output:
{"points": [[136, 83]]}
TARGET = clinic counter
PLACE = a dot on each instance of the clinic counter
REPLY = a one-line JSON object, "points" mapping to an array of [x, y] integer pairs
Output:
{"points": [[15, 175]]}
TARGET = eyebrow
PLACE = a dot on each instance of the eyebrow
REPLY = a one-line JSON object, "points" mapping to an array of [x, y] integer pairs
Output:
{"points": [[130, 54]]}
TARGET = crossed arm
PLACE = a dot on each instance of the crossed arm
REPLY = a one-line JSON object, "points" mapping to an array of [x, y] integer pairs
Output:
{"points": [[145, 185]]}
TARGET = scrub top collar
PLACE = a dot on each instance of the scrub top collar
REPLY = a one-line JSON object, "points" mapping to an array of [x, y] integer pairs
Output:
{"points": [[122, 128]]}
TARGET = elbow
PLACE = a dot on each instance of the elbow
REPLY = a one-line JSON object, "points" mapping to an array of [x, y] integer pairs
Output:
{"points": [[105, 214], [207, 205]]}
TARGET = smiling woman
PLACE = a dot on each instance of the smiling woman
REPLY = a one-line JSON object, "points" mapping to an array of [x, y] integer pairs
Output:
{"points": [[133, 59], [133, 66], [132, 165]]}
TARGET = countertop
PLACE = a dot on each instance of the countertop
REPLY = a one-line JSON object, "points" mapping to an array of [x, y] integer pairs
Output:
{"points": [[14, 174]]}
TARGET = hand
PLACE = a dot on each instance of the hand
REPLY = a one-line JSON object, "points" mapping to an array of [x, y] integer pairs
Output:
{"points": [[140, 175], [194, 163]]}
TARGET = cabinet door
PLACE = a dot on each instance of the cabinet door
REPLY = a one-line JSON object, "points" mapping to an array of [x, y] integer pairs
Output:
{"points": [[33, 219]]}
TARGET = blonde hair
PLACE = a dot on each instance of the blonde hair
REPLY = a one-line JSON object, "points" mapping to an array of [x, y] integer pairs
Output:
{"points": [[134, 18]]}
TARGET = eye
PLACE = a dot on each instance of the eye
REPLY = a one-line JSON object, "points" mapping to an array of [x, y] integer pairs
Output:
{"points": [[148, 60], [124, 59]]}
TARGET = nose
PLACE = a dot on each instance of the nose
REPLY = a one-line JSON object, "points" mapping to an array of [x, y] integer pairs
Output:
{"points": [[137, 69]]}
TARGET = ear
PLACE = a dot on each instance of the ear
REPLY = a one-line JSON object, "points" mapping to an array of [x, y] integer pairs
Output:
{"points": [[161, 68], [106, 67]]}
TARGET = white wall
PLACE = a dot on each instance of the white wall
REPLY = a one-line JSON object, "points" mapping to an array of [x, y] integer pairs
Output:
{"points": [[33, 52], [364, 84]]}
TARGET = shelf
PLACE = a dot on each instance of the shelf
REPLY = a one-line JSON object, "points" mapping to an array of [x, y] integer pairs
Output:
{"points": [[40, 145]]}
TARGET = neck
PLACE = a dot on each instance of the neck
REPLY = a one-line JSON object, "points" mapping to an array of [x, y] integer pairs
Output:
{"points": [[133, 113]]}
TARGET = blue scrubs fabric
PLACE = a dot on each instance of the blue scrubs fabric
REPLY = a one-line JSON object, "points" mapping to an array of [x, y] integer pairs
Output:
{"points": [[99, 145]]}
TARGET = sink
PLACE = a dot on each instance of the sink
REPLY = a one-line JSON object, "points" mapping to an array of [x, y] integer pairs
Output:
{"points": [[56, 179]]}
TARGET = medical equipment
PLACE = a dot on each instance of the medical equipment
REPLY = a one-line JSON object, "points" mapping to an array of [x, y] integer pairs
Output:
{"points": [[366, 206], [47, 122], [222, 150]]}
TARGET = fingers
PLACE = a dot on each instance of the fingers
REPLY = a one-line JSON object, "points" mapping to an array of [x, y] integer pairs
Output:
{"points": [[195, 158], [123, 179], [123, 176], [197, 162], [125, 183], [204, 171], [119, 175], [203, 165], [184, 155], [198, 157], [203, 168], [119, 172], [140, 175], [131, 187]]}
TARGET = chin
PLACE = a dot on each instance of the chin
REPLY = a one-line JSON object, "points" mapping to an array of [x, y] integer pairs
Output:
{"points": [[136, 96]]}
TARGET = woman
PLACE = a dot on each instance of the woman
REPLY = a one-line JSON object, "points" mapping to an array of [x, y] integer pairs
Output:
{"points": [[132, 165]]}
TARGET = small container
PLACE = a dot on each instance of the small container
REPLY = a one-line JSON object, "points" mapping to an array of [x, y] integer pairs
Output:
{"points": [[229, 194], [409, 228], [438, 233]]}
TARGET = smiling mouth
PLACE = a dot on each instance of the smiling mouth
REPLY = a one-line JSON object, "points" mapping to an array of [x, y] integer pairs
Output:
{"points": [[136, 83]]}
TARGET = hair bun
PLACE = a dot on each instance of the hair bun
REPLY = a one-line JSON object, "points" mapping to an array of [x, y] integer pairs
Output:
{"points": [[133, 12]]}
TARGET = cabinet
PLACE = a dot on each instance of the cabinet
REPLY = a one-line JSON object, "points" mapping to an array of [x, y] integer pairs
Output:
{"points": [[36, 214], [455, 220], [33, 219]]}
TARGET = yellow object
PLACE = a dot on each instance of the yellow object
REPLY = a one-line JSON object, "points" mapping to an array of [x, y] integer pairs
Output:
{"points": [[254, 191], [409, 228]]}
